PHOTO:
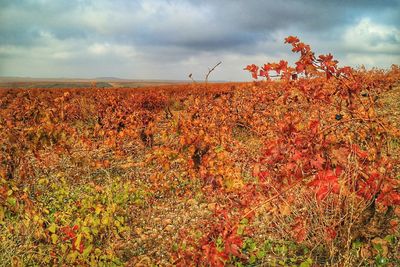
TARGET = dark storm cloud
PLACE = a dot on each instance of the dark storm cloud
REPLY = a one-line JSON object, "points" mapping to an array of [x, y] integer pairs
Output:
{"points": [[200, 25], [186, 34], [21, 22]]}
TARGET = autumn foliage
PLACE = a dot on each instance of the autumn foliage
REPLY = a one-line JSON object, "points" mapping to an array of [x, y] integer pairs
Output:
{"points": [[297, 168]]}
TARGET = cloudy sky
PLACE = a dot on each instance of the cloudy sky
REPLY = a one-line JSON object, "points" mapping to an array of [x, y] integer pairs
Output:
{"points": [[156, 39]]}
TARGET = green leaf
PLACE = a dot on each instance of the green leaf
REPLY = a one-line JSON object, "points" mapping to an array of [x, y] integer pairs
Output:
{"points": [[357, 244], [306, 263], [391, 239], [219, 244], [244, 221], [268, 245], [12, 201], [219, 149], [378, 247], [240, 230], [252, 259], [381, 261], [261, 254]]}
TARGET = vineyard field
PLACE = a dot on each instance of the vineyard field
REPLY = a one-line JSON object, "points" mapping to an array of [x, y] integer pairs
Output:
{"points": [[298, 171]]}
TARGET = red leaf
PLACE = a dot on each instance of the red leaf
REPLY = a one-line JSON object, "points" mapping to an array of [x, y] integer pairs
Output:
{"points": [[360, 153], [345, 70], [391, 198], [253, 69], [263, 175], [330, 233], [282, 66], [265, 70], [314, 126], [318, 162], [297, 155], [300, 67], [213, 256], [233, 244], [291, 40], [299, 230], [324, 182], [322, 192]]}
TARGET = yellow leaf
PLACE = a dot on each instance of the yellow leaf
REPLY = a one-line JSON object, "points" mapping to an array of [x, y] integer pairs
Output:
{"points": [[96, 222], [97, 251], [372, 154], [63, 248], [16, 261], [78, 240], [285, 209], [98, 209], [1, 214], [43, 181], [54, 238], [52, 228], [71, 257], [105, 220], [371, 113], [87, 250]]}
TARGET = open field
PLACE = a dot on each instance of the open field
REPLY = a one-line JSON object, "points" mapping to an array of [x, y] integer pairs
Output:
{"points": [[15, 82], [268, 173]]}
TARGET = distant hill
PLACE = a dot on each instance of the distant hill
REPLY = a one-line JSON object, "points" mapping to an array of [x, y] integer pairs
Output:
{"points": [[108, 79]]}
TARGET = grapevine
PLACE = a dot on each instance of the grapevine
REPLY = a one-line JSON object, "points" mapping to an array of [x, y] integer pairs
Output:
{"points": [[299, 166]]}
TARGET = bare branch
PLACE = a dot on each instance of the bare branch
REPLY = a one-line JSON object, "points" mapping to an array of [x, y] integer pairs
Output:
{"points": [[211, 70], [191, 77]]}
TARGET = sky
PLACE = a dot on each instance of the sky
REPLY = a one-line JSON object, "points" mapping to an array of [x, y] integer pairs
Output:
{"points": [[168, 40]]}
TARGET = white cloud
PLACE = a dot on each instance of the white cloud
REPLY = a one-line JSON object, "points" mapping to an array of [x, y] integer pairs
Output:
{"points": [[370, 60], [99, 49], [112, 49], [370, 36]]}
